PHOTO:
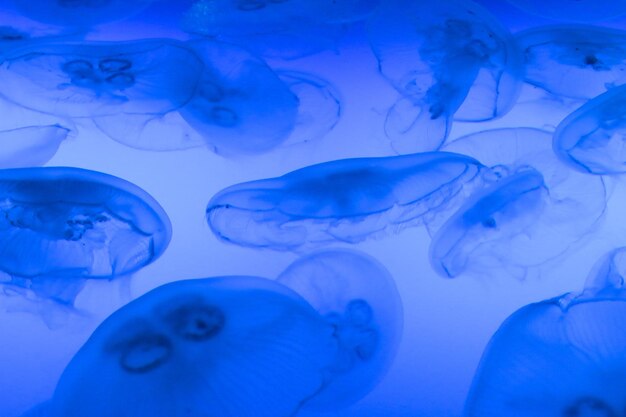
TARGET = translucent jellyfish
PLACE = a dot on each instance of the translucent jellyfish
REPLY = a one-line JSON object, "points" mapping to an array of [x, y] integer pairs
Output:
{"points": [[607, 277], [345, 200], [591, 139], [30, 146], [79, 13], [227, 346], [359, 298], [561, 357], [529, 208], [572, 10], [448, 60], [60, 226], [558, 57], [101, 78]]}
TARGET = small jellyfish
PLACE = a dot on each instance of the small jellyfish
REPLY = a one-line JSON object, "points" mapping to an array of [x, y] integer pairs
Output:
{"points": [[80, 13], [60, 226], [607, 277], [358, 296], [572, 10], [448, 60], [558, 57], [30, 146], [225, 346], [101, 78], [562, 357], [591, 138], [345, 200], [528, 209]]}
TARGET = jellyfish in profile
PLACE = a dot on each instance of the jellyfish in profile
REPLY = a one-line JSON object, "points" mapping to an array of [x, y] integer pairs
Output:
{"points": [[449, 61], [527, 209], [572, 10], [93, 79], [358, 296], [80, 13], [558, 57], [225, 346], [346, 200], [30, 146], [60, 226], [591, 139]]}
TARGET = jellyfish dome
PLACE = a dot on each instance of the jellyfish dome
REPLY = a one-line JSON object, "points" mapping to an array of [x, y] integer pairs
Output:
{"points": [[345, 200], [60, 226], [226, 346], [358, 296], [608, 276]]}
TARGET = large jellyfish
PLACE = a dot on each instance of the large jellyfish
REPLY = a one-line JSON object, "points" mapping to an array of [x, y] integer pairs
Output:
{"points": [[345, 200], [359, 298], [572, 10], [529, 208], [101, 78], [79, 13], [448, 60], [226, 346], [60, 226], [30, 146], [591, 139], [558, 57]]}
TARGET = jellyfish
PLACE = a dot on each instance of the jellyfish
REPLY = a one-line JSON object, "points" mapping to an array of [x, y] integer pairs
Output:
{"points": [[449, 61], [591, 139], [225, 346], [528, 209], [80, 13], [572, 10], [358, 296], [559, 357], [345, 200], [60, 226], [607, 277], [30, 146], [93, 79]]}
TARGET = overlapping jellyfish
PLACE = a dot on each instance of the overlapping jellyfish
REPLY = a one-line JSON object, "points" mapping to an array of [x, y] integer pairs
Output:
{"points": [[591, 139], [286, 29], [560, 357], [238, 346], [572, 10], [558, 57], [339, 201], [79, 13], [449, 61], [61, 226], [528, 209], [240, 106]]}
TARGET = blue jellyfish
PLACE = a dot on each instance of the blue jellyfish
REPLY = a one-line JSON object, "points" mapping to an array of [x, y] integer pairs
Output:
{"points": [[226, 346], [30, 146], [591, 139], [345, 200], [607, 277], [359, 298], [572, 10], [101, 78], [558, 57], [561, 357], [527, 209], [60, 226], [79, 13], [448, 60]]}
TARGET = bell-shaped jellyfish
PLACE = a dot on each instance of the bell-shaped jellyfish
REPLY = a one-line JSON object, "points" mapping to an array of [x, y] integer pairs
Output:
{"points": [[607, 277], [359, 298], [226, 346], [572, 10], [560, 357], [346, 200], [79, 13], [529, 208], [101, 78], [30, 146], [558, 57], [60, 226], [591, 139], [448, 60]]}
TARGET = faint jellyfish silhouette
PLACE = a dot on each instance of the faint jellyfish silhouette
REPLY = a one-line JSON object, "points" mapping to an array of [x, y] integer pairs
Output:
{"points": [[606, 278], [345, 200], [572, 10], [358, 296], [591, 139], [30, 146], [558, 57], [529, 208], [226, 346], [448, 60], [60, 226]]}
